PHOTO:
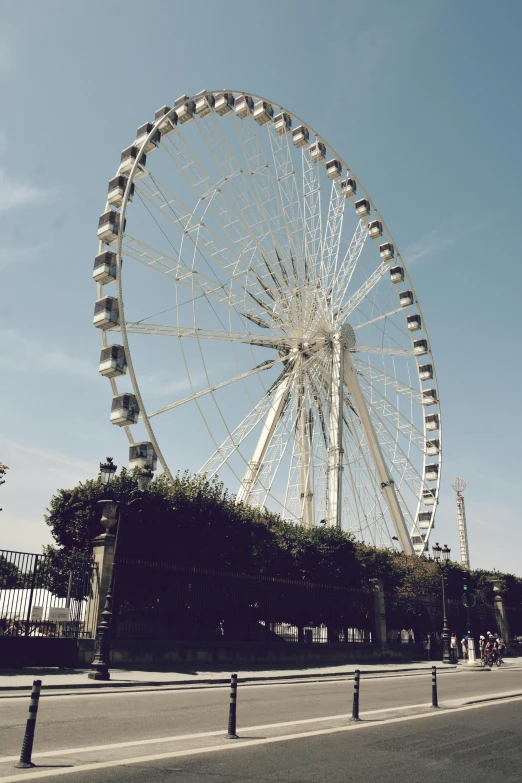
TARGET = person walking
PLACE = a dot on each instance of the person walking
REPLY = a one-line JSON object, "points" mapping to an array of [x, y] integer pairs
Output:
{"points": [[454, 649], [464, 643]]}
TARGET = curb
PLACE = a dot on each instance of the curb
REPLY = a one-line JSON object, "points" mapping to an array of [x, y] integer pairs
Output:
{"points": [[114, 684]]}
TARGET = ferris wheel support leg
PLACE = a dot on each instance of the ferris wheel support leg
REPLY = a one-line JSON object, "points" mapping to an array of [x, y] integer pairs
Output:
{"points": [[305, 462], [335, 428], [387, 487], [267, 433]]}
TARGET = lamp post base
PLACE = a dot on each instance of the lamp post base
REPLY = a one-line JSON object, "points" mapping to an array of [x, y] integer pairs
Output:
{"points": [[99, 675]]}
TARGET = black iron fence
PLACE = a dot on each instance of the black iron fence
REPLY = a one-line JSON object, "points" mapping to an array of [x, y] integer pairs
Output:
{"points": [[37, 599], [156, 600]]}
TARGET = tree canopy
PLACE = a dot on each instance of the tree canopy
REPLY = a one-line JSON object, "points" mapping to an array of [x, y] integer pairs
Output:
{"points": [[195, 521]]}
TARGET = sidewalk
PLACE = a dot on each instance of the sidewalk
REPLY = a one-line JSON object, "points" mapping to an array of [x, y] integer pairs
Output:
{"points": [[13, 680], [17, 682]]}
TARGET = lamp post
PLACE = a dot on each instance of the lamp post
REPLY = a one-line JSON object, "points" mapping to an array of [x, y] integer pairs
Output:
{"points": [[111, 515], [441, 557]]}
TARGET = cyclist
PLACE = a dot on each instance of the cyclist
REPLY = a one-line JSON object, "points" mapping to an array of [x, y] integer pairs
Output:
{"points": [[499, 645], [489, 651]]}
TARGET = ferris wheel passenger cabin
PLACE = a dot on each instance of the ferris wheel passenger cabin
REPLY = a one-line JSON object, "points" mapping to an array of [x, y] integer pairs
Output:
{"points": [[143, 455], [185, 108], [406, 298], [167, 124], [334, 169], [362, 207], [413, 322], [426, 372], [375, 229], [432, 446], [124, 410], [397, 274], [129, 157], [113, 363], [348, 187], [429, 497], [424, 520], [420, 347], [387, 251], [106, 313], [282, 123], [263, 112], [244, 106], [429, 397], [142, 133], [301, 136], [224, 103], [105, 268], [204, 105], [431, 472], [116, 190], [432, 422], [108, 226], [317, 151]]}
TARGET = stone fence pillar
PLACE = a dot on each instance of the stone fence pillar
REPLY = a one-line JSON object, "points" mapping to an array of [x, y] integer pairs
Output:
{"points": [[103, 556], [499, 589], [379, 615]]}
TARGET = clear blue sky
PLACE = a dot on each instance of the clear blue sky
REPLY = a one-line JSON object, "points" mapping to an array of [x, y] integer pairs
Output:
{"points": [[422, 98]]}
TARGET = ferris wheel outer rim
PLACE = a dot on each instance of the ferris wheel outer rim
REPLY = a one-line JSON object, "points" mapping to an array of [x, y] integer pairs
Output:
{"points": [[123, 329]]}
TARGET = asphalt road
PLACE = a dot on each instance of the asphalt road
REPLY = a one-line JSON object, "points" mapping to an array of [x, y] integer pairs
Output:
{"points": [[474, 745], [66, 722]]}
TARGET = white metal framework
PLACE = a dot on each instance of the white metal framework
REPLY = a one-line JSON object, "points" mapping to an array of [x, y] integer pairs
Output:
{"points": [[459, 485], [295, 361]]}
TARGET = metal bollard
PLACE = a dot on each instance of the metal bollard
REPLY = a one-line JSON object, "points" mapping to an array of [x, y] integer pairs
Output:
{"points": [[233, 706], [434, 699], [27, 744], [355, 708]]}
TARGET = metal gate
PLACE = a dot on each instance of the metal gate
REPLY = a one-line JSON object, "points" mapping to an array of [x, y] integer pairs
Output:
{"points": [[45, 607]]}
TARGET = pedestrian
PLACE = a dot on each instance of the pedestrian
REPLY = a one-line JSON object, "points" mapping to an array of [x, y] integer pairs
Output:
{"points": [[399, 636], [454, 649], [464, 644], [482, 642]]}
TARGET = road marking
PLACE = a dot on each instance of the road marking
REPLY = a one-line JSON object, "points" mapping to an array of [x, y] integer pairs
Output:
{"points": [[179, 737], [240, 744]]}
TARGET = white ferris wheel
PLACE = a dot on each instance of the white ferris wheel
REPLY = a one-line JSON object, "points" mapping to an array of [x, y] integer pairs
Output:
{"points": [[253, 288]]}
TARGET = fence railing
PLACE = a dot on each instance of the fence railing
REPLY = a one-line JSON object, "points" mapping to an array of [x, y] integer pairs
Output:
{"points": [[165, 601], [37, 599]]}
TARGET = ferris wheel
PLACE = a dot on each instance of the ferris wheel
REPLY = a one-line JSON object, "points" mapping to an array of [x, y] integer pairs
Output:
{"points": [[261, 318]]}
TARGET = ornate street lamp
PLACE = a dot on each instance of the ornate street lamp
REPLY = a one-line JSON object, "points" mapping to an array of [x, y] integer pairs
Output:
{"points": [[111, 515], [107, 471], [441, 557]]}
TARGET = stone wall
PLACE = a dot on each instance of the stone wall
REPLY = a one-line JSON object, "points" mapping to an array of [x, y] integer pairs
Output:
{"points": [[150, 654]]}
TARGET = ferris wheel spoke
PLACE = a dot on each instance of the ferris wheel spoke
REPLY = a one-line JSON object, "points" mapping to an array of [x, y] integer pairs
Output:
{"points": [[388, 381], [198, 283], [380, 317], [332, 237], [205, 241], [354, 302], [387, 410], [137, 327], [253, 200], [232, 220], [385, 351], [290, 199], [255, 371], [347, 267]]}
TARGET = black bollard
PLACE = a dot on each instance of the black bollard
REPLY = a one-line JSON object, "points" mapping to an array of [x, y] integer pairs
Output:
{"points": [[27, 744], [233, 706], [434, 699], [355, 708]]}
